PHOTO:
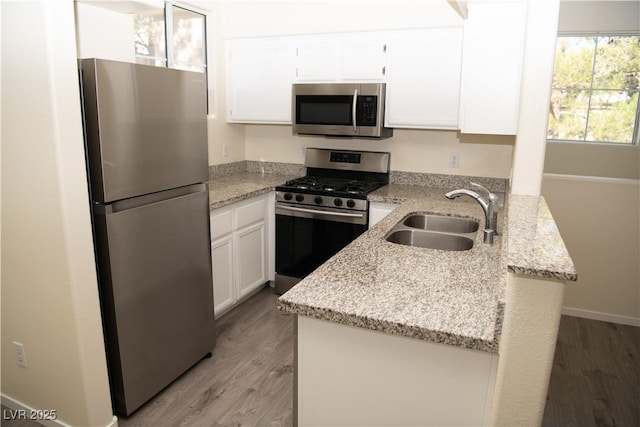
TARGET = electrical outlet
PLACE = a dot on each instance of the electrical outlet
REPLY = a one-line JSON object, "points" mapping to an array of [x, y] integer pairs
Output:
{"points": [[454, 160], [225, 150], [21, 357], [304, 151]]}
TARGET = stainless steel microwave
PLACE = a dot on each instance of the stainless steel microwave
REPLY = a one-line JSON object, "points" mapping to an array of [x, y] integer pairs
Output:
{"points": [[339, 109]]}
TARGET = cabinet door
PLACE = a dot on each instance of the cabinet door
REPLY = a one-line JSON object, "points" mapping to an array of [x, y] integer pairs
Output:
{"points": [[222, 264], [362, 57], [317, 59], [377, 211], [251, 267], [492, 68], [222, 259], [259, 77], [423, 78]]}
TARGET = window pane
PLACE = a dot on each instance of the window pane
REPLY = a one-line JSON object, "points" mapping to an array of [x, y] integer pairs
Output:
{"points": [[617, 63], [149, 38], [568, 117], [574, 62], [595, 89], [188, 40], [612, 116]]}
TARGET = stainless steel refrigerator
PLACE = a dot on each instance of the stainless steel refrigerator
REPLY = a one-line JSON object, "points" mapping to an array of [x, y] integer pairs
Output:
{"points": [[146, 146]]}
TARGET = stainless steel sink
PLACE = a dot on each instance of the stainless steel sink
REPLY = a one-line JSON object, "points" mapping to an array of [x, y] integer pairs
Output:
{"points": [[434, 232], [447, 224], [427, 239]]}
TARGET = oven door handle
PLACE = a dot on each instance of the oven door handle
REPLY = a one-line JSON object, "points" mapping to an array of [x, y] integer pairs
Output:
{"points": [[329, 213]]}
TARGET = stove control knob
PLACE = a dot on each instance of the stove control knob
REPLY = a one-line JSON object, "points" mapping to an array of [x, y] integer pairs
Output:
{"points": [[299, 197], [318, 200], [351, 203], [288, 196], [337, 202]]}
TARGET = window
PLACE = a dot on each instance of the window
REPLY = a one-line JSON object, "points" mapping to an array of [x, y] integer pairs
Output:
{"points": [[594, 95], [149, 38], [171, 37], [187, 47]]}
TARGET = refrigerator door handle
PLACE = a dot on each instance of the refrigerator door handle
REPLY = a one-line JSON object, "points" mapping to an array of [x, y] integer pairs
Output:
{"points": [[147, 199]]}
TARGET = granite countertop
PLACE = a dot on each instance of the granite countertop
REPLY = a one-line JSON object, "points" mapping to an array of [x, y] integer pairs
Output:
{"points": [[454, 298], [227, 189], [448, 297], [535, 246]]}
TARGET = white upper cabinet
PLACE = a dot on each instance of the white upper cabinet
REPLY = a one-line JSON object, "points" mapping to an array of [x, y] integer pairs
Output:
{"points": [[363, 57], [465, 78], [492, 67], [259, 77], [423, 78], [340, 57], [317, 59]]}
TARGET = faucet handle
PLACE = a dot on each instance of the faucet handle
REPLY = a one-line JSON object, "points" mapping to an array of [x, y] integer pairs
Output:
{"points": [[492, 196]]}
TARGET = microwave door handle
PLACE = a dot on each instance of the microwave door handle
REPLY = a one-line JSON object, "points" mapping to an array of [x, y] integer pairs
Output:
{"points": [[353, 110]]}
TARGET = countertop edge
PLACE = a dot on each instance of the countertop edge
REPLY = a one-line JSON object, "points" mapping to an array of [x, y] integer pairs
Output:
{"points": [[394, 328], [244, 196], [535, 246]]}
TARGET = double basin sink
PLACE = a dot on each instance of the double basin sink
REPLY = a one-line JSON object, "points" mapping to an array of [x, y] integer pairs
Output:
{"points": [[446, 233]]}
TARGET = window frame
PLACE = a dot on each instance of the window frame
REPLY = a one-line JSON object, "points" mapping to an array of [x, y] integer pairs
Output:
{"points": [[168, 26], [168, 59], [635, 139]]}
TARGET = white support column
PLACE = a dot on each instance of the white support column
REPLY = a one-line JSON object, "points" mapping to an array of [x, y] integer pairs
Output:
{"points": [[535, 94], [532, 315]]}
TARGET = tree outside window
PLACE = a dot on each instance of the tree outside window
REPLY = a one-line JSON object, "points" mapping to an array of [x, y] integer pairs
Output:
{"points": [[149, 38], [594, 96], [171, 37]]}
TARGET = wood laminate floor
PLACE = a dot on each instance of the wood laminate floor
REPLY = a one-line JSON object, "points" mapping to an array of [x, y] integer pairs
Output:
{"points": [[249, 380], [595, 379]]}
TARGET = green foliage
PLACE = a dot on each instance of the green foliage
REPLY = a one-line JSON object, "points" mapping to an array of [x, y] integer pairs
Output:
{"points": [[595, 89]]}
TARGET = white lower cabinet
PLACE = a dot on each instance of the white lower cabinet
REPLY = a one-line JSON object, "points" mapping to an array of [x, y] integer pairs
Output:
{"points": [[222, 264], [350, 376], [378, 210], [252, 259], [241, 250]]}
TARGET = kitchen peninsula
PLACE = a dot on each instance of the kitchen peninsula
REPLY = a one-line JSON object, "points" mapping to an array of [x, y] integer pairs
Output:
{"points": [[391, 334], [372, 322]]}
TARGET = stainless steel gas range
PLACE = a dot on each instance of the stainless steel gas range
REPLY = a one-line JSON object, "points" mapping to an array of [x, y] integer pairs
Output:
{"points": [[319, 214]]}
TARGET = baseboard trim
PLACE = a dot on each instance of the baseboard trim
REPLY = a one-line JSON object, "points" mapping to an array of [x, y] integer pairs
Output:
{"points": [[23, 413], [604, 317]]}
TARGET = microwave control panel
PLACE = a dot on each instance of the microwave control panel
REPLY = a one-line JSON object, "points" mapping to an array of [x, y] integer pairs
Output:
{"points": [[367, 110]]}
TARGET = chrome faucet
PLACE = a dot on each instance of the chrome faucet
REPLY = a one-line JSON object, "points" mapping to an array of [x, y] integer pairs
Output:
{"points": [[490, 214]]}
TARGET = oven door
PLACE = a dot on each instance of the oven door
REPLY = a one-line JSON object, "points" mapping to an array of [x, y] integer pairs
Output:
{"points": [[306, 237]]}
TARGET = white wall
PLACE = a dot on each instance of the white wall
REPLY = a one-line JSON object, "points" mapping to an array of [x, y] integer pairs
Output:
{"points": [[49, 285], [593, 191], [599, 219], [274, 18], [104, 34], [535, 93], [604, 16], [411, 150]]}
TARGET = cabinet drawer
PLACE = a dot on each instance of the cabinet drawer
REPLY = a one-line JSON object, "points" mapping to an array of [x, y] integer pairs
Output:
{"points": [[251, 212], [221, 223]]}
